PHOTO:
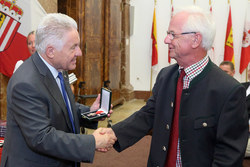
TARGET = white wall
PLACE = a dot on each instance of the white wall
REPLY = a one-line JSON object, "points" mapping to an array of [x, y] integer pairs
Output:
{"points": [[140, 41]]}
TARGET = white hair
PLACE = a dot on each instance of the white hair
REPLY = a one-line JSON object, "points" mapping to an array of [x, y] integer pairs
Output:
{"points": [[51, 31], [200, 21]]}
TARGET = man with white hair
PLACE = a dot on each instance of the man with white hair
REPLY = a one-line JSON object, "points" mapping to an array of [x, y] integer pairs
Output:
{"points": [[43, 120], [197, 112]]}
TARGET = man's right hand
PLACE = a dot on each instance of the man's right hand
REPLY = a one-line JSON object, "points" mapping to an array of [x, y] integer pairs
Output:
{"points": [[104, 138]]}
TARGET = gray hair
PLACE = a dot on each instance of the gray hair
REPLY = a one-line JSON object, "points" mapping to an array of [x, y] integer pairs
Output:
{"points": [[200, 21], [51, 31]]}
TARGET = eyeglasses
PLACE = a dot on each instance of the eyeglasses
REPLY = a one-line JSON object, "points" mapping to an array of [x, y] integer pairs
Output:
{"points": [[171, 35]]}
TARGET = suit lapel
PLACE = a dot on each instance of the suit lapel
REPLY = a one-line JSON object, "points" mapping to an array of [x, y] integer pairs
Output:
{"points": [[50, 82], [246, 84]]}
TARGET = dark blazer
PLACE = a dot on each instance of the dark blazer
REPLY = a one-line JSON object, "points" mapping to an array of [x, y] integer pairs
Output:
{"points": [[39, 133], [213, 125], [246, 85]]}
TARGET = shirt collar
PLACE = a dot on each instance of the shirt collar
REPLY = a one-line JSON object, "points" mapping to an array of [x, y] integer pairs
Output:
{"points": [[51, 68], [195, 69]]}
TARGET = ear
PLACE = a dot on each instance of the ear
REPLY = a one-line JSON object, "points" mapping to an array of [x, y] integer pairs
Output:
{"points": [[233, 72], [50, 52], [197, 40]]}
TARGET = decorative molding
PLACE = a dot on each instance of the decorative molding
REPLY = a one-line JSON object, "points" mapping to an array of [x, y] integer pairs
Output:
{"points": [[142, 95]]}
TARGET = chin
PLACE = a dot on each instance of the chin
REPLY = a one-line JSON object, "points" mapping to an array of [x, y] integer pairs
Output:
{"points": [[172, 56], [72, 67]]}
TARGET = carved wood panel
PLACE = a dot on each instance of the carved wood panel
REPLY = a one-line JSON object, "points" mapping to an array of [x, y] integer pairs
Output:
{"points": [[113, 43], [93, 45]]}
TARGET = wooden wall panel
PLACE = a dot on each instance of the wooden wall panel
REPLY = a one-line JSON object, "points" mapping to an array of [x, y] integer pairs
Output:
{"points": [[3, 96], [94, 45], [113, 43], [49, 6], [93, 28]]}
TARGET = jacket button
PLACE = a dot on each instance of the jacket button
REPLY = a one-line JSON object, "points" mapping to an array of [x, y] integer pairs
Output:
{"points": [[204, 124], [164, 148], [167, 126], [172, 104]]}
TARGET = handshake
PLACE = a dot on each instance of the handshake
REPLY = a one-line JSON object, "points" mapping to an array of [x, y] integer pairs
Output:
{"points": [[104, 139]]}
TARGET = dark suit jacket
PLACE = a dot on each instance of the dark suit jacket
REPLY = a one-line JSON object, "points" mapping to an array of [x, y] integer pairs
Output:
{"points": [[39, 133], [246, 85], [213, 125]]}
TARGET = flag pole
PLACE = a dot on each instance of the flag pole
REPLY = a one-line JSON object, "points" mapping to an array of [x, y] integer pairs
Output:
{"points": [[247, 74], [151, 75], [151, 81]]}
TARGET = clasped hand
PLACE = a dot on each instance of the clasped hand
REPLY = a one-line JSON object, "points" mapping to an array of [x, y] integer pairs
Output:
{"points": [[104, 139]]}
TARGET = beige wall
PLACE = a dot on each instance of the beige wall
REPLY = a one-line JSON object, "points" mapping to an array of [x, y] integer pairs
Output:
{"points": [[49, 6]]}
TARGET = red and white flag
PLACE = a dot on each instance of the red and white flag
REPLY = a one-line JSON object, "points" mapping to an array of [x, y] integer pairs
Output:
{"points": [[245, 50], [17, 19]]}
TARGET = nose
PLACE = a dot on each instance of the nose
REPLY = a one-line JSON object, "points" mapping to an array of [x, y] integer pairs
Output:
{"points": [[78, 52], [167, 40]]}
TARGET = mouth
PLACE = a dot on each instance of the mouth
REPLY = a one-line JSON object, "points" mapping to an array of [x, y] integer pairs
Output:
{"points": [[170, 49], [74, 61], [171, 52]]}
